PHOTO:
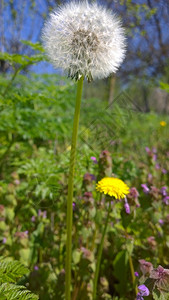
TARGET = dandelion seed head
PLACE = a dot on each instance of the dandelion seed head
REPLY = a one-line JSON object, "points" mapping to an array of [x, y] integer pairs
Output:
{"points": [[84, 39]]}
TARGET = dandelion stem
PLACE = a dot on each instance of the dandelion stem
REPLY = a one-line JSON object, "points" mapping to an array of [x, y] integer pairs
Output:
{"points": [[70, 191], [99, 256]]}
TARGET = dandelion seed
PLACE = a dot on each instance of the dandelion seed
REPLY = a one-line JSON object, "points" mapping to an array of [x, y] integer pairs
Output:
{"points": [[85, 40]]}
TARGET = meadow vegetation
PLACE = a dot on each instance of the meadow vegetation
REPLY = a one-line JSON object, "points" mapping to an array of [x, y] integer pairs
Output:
{"points": [[120, 139]]}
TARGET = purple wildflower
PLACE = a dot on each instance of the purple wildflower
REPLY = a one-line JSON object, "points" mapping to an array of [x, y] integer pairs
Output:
{"points": [[157, 166], [165, 200], [136, 274], [134, 193], [33, 218], [74, 205], [44, 214], [161, 276], [145, 266], [17, 182], [164, 171], [152, 242], [150, 177], [93, 158], [143, 290], [139, 297], [154, 150], [39, 212], [152, 153], [127, 208], [88, 198], [147, 150], [86, 252], [163, 191], [161, 221], [4, 240], [93, 177], [154, 157], [36, 268], [145, 188], [133, 196]]}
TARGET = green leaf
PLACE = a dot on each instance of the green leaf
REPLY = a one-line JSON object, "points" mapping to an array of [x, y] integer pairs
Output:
{"points": [[120, 265], [10, 271], [21, 60], [164, 86], [35, 46], [10, 214], [160, 295], [129, 246], [126, 218], [25, 255], [76, 256], [52, 183], [16, 292]]}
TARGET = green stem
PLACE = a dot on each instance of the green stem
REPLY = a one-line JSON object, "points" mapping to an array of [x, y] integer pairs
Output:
{"points": [[99, 256], [70, 191], [132, 274]]}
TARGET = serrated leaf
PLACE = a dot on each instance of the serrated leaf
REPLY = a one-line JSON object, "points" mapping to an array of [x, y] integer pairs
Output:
{"points": [[11, 271], [35, 46], [16, 292]]}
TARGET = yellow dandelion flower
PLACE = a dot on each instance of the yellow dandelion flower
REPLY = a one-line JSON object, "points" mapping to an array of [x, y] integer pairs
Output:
{"points": [[68, 148], [113, 187], [163, 123]]}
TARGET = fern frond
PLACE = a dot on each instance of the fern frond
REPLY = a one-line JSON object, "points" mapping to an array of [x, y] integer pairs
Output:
{"points": [[9, 291], [11, 271]]}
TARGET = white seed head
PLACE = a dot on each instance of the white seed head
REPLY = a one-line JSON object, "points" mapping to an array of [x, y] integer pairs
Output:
{"points": [[84, 39]]}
